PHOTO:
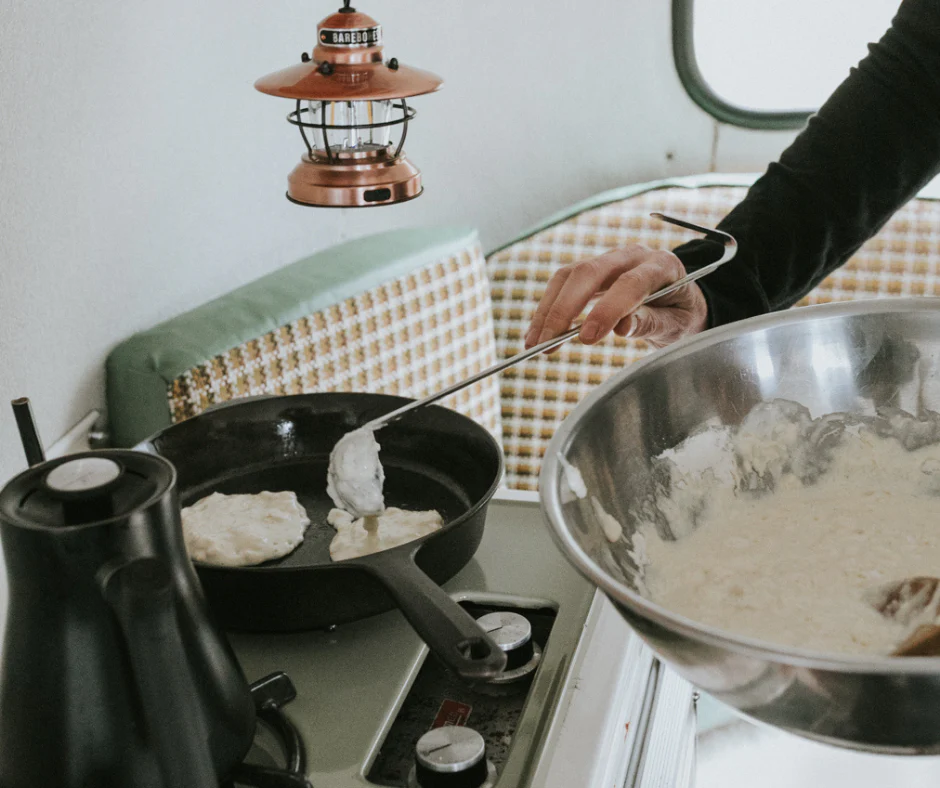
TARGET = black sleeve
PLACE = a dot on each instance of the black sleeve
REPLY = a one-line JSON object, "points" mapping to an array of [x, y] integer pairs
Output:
{"points": [[871, 147]]}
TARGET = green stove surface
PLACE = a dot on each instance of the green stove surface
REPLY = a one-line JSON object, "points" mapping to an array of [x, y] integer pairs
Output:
{"points": [[352, 681]]}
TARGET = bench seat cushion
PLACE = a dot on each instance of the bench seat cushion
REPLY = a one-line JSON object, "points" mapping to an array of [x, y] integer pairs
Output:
{"points": [[406, 312]]}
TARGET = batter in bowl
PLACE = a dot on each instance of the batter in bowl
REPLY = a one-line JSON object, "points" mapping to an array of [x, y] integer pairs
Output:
{"points": [[790, 543]]}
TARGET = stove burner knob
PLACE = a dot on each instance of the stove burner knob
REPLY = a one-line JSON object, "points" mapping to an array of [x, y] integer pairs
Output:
{"points": [[452, 757], [513, 634]]}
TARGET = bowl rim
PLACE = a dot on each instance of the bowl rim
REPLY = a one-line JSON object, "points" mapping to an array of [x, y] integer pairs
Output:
{"points": [[620, 593]]}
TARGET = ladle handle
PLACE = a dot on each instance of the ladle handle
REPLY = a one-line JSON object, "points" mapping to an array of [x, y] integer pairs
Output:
{"points": [[29, 435], [718, 236]]}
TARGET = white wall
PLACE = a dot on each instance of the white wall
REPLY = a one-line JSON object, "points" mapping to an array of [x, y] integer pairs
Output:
{"points": [[141, 174]]}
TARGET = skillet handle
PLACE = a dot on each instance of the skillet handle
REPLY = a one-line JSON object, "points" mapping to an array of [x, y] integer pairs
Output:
{"points": [[447, 629]]}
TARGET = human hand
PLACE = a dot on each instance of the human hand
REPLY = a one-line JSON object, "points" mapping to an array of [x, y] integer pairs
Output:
{"points": [[623, 278]]}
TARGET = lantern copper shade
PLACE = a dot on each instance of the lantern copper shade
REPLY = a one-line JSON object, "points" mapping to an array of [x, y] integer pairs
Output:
{"points": [[348, 104]]}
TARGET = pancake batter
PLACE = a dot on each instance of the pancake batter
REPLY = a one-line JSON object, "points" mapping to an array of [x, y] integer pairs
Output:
{"points": [[355, 476], [791, 543], [357, 537], [243, 530]]}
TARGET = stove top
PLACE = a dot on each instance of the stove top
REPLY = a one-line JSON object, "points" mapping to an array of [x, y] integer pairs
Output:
{"points": [[368, 691], [351, 682]]}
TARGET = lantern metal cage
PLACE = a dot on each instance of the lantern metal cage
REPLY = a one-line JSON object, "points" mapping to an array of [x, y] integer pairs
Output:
{"points": [[407, 113]]}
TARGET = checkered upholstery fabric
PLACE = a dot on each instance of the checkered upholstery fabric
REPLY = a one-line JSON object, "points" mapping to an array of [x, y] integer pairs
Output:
{"points": [[903, 259], [411, 336]]}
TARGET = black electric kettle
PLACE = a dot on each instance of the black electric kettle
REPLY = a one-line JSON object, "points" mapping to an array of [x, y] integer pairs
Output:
{"points": [[112, 673]]}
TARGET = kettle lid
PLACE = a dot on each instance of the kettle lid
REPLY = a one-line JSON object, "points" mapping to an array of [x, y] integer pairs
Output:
{"points": [[85, 489]]}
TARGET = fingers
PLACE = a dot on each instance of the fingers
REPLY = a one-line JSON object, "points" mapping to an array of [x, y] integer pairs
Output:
{"points": [[624, 278], [555, 285], [627, 293], [659, 327], [663, 325], [572, 287]]}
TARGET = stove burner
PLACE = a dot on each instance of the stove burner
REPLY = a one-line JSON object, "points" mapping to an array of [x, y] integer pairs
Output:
{"points": [[270, 694]]}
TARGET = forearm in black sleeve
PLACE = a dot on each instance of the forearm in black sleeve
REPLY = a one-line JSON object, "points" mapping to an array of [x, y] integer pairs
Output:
{"points": [[868, 150]]}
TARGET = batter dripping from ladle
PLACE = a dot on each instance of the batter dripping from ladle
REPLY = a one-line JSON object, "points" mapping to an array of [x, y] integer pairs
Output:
{"points": [[355, 476], [354, 483]]}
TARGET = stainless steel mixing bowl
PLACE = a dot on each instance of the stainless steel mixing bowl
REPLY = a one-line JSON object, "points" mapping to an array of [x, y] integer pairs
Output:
{"points": [[857, 357]]}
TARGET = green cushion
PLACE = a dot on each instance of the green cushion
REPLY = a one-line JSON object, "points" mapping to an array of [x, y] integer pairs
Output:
{"points": [[140, 369]]}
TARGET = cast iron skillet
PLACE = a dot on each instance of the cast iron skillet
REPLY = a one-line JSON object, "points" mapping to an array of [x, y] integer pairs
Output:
{"points": [[434, 458]]}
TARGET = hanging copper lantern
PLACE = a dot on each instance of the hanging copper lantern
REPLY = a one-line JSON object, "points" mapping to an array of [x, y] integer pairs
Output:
{"points": [[348, 104]]}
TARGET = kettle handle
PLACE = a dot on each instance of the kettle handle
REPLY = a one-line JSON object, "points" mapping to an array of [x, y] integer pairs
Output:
{"points": [[141, 594]]}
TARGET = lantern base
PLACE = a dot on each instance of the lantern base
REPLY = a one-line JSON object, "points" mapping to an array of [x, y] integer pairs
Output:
{"points": [[353, 182]]}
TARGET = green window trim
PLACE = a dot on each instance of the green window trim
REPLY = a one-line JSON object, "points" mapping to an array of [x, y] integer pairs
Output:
{"points": [[683, 50]]}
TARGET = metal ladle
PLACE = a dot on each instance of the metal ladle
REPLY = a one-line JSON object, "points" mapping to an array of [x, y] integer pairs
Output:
{"points": [[730, 249]]}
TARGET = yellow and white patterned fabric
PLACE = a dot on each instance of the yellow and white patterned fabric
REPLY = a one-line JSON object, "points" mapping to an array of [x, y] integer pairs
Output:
{"points": [[411, 336], [903, 259]]}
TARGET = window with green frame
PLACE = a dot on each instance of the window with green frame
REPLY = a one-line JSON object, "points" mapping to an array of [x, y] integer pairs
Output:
{"points": [[769, 64]]}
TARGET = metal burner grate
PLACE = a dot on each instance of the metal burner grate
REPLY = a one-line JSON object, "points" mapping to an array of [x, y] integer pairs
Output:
{"points": [[277, 758]]}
